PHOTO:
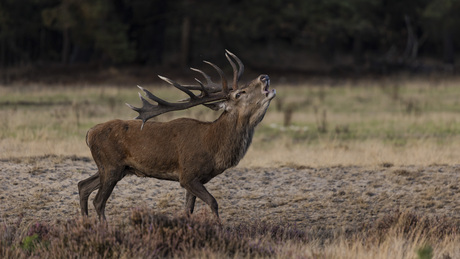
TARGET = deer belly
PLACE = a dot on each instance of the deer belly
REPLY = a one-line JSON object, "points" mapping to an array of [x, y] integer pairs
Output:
{"points": [[162, 175]]}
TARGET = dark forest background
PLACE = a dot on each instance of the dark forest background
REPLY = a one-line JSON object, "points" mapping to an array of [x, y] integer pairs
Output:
{"points": [[303, 36]]}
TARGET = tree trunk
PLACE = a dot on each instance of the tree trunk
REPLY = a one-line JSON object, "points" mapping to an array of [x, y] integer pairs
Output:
{"points": [[185, 41], [65, 46], [3, 62], [448, 47], [411, 52], [358, 50]]}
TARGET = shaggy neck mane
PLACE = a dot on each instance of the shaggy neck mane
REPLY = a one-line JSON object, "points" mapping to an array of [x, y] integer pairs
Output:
{"points": [[235, 137]]}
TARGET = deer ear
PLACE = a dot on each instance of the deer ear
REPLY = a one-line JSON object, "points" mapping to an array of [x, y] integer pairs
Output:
{"points": [[216, 105]]}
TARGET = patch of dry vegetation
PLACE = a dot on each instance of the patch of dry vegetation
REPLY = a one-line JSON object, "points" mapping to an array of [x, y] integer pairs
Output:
{"points": [[148, 235]]}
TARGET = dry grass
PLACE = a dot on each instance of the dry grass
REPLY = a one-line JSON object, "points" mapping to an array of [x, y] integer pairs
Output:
{"points": [[354, 123], [144, 234], [363, 153]]}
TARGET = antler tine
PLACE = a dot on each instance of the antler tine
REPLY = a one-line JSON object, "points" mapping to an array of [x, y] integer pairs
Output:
{"points": [[203, 89], [148, 107], [235, 72], [210, 85], [222, 76], [151, 97], [208, 78], [240, 64], [178, 86]]}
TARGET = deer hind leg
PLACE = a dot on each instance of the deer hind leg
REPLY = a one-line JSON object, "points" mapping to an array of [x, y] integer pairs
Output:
{"points": [[189, 202], [197, 189], [85, 188], [106, 187]]}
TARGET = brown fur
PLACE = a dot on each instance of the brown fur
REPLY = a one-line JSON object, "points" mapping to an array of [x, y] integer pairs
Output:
{"points": [[189, 151]]}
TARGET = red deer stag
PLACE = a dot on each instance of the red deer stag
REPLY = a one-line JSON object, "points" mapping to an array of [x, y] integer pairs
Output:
{"points": [[189, 151]]}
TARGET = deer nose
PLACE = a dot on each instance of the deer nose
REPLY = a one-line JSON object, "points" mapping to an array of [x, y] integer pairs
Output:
{"points": [[264, 78]]}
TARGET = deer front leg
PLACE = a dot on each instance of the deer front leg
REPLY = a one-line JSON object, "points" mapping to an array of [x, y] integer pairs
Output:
{"points": [[107, 186], [197, 189], [189, 202]]}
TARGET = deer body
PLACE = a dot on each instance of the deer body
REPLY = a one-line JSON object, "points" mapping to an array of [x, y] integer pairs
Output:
{"points": [[156, 151], [186, 150]]}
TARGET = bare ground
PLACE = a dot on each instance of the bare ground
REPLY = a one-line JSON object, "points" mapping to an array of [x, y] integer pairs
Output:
{"points": [[330, 198]]}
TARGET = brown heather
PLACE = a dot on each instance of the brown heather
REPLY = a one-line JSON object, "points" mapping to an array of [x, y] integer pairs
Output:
{"points": [[148, 235]]}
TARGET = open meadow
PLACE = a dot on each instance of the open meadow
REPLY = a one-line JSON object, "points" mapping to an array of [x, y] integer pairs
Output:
{"points": [[337, 169]]}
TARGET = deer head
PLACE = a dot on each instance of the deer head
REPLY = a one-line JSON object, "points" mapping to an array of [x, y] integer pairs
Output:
{"points": [[213, 95]]}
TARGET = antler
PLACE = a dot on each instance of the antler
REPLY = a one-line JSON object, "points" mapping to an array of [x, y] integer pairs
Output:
{"points": [[236, 73], [210, 92], [213, 87]]}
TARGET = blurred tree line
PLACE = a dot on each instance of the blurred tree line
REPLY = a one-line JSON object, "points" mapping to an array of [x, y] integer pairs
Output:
{"points": [[296, 35]]}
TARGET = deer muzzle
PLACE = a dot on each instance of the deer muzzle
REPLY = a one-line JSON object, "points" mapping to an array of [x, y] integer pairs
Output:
{"points": [[265, 80]]}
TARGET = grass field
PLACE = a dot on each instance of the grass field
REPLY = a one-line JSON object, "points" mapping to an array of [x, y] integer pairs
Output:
{"points": [[337, 169], [312, 124]]}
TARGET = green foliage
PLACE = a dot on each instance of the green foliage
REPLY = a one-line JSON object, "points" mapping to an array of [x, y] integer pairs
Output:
{"points": [[425, 252], [93, 24], [29, 243], [138, 31]]}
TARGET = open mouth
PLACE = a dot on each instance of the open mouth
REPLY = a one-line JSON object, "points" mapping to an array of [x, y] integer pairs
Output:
{"points": [[268, 93]]}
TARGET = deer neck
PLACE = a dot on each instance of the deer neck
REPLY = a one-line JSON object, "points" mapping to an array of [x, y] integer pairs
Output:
{"points": [[234, 133]]}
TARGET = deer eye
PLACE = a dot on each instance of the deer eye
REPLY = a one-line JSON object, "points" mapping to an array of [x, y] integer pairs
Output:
{"points": [[237, 95]]}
